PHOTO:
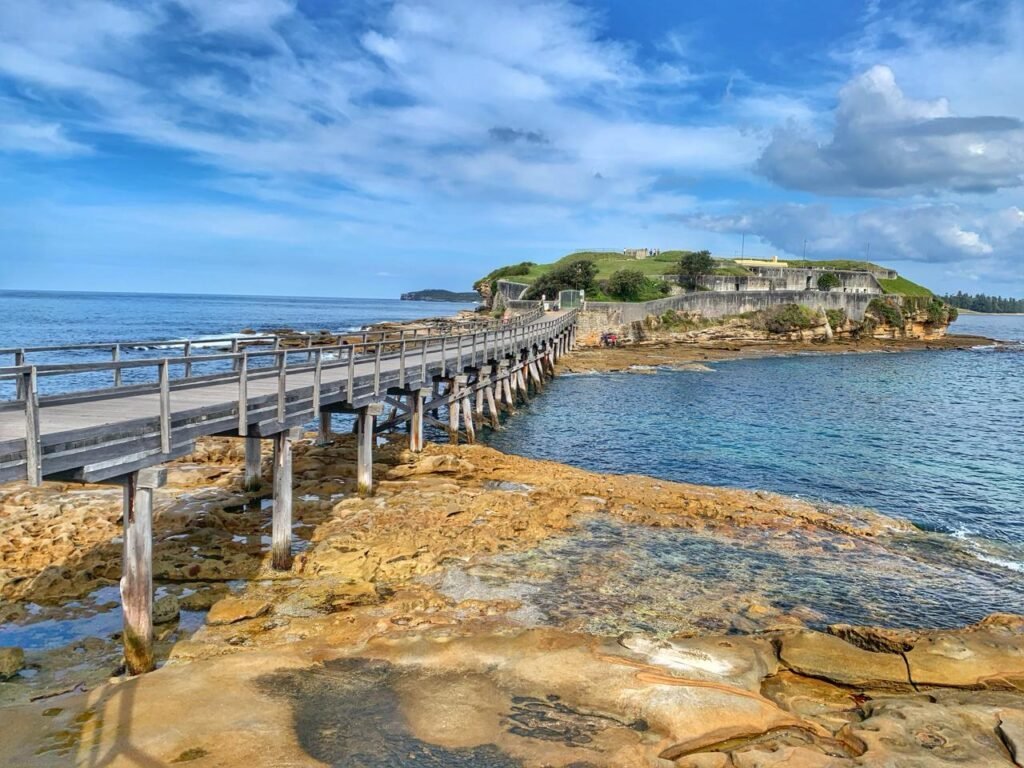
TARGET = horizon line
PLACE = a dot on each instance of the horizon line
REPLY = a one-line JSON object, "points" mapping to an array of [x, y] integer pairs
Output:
{"points": [[221, 295]]}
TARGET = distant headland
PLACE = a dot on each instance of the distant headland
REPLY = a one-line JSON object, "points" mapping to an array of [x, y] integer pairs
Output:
{"points": [[438, 294]]}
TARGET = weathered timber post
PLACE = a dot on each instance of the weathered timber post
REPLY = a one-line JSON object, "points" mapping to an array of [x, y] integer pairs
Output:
{"points": [[535, 374], [454, 402], [513, 384], [521, 381], [281, 524], [492, 407], [366, 422], [253, 464], [467, 414], [33, 443], [547, 363], [504, 386], [137, 568], [326, 433], [417, 398], [483, 384]]}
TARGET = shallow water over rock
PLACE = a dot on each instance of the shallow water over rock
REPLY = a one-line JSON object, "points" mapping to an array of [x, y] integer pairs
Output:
{"points": [[609, 577]]}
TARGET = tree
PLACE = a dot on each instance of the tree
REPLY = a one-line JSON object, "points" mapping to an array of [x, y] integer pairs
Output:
{"points": [[828, 281], [693, 265], [627, 285], [576, 276]]}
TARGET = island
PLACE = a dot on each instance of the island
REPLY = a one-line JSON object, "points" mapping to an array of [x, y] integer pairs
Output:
{"points": [[439, 294]]}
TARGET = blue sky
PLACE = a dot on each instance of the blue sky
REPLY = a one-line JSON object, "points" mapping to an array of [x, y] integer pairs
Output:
{"points": [[365, 148]]}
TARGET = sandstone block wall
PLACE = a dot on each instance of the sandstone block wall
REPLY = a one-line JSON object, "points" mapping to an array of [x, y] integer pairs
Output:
{"points": [[619, 317]]}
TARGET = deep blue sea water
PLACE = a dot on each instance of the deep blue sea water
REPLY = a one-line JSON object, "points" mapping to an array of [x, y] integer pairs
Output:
{"points": [[37, 318]]}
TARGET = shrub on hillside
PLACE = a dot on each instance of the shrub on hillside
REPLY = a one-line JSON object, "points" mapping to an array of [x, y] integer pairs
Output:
{"points": [[512, 270], [828, 281], [885, 311], [836, 318], [789, 317], [633, 285], [626, 284], [939, 312], [574, 276]]}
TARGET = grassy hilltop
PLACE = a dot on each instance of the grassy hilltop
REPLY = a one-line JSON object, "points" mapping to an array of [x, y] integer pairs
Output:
{"points": [[653, 268]]}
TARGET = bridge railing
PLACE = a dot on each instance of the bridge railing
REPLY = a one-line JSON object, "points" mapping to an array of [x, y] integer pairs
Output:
{"points": [[414, 354]]}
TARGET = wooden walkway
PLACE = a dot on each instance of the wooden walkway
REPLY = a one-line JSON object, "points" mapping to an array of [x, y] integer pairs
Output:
{"points": [[122, 433], [100, 434]]}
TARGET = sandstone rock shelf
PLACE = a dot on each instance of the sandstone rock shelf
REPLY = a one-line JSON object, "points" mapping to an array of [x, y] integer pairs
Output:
{"points": [[359, 655]]}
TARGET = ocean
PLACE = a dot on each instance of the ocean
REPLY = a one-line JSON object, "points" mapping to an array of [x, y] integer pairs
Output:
{"points": [[933, 437]]}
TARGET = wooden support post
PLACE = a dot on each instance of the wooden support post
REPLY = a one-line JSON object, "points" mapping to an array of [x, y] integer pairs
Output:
{"points": [[253, 464], [165, 407], [318, 375], [417, 399], [454, 398], [29, 384], [243, 394], [467, 414], [186, 352], [19, 360], [325, 433], [137, 568], [281, 524], [510, 399], [282, 385], [366, 420], [521, 382], [492, 406], [483, 381], [115, 357], [538, 380]]}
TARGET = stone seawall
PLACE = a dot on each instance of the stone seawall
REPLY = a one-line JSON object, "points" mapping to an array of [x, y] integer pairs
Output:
{"points": [[601, 317]]}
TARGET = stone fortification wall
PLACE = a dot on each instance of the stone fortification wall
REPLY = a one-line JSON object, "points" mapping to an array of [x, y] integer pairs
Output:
{"points": [[800, 279], [735, 283], [511, 290], [601, 317]]}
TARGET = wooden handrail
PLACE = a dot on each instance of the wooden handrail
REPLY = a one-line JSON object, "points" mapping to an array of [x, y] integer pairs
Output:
{"points": [[516, 333]]}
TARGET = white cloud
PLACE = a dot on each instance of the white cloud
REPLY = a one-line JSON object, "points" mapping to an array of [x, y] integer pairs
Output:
{"points": [[411, 105], [985, 242], [884, 142], [38, 138]]}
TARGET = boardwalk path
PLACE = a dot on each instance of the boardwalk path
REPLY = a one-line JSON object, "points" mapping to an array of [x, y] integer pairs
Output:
{"points": [[99, 434]]}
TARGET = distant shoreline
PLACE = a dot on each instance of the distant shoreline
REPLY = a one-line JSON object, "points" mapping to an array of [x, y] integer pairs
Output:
{"points": [[989, 314]]}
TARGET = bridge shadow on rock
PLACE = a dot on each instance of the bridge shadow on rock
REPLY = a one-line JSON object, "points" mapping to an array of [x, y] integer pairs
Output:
{"points": [[347, 713]]}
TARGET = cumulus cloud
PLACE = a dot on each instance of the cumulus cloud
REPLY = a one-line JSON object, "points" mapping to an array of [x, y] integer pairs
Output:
{"points": [[886, 143], [988, 242]]}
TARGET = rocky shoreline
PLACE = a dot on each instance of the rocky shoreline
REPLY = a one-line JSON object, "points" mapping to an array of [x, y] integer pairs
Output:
{"points": [[364, 655], [665, 351]]}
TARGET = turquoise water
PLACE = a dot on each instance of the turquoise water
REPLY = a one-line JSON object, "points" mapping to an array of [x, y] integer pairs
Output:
{"points": [[932, 436]]}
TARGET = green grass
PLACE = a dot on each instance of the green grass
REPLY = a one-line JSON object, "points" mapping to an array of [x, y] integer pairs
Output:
{"points": [[903, 286], [609, 262]]}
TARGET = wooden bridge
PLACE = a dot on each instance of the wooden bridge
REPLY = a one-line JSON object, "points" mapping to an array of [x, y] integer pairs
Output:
{"points": [[259, 390]]}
